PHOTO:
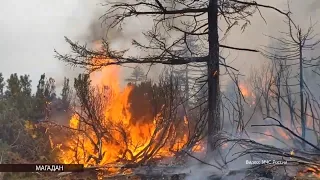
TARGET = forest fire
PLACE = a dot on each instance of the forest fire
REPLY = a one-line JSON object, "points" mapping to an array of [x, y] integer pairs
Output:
{"points": [[113, 136], [247, 93], [244, 90], [161, 95], [312, 172]]}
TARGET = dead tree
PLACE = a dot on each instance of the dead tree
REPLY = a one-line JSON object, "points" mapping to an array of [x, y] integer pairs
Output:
{"points": [[185, 18], [291, 49], [262, 81]]}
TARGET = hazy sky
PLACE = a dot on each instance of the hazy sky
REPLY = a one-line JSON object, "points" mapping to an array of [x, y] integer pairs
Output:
{"points": [[30, 30]]}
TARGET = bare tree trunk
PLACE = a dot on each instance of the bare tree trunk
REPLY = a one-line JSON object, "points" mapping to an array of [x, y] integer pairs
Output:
{"points": [[267, 100], [279, 77], [214, 124], [290, 104], [187, 89], [303, 117]]}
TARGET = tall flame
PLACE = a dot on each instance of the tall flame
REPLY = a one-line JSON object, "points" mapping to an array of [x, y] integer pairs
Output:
{"points": [[129, 138]]}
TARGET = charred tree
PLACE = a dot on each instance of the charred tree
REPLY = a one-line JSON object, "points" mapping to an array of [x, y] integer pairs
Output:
{"points": [[214, 123], [197, 18], [291, 52]]}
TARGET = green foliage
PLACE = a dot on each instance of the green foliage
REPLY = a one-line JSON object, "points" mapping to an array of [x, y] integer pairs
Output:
{"points": [[44, 95], [22, 138], [146, 101], [46, 88], [2, 84], [18, 94], [13, 86], [27, 141], [25, 84], [65, 94], [82, 85]]}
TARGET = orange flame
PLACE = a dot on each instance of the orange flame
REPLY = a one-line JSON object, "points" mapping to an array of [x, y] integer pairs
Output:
{"points": [[128, 139], [244, 90], [283, 134], [247, 93], [266, 136], [312, 172]]}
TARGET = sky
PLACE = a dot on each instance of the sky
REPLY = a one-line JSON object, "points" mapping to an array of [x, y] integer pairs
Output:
{"points": [[31, 30]]}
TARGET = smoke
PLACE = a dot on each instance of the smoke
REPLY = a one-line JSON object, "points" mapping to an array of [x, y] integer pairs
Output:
{"points": [[28, 39], [120, 38], [254, 37], [30, 30]]}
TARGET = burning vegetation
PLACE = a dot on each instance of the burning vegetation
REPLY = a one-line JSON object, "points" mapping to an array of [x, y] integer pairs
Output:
{"points": [[111, 126], [182, 123]]}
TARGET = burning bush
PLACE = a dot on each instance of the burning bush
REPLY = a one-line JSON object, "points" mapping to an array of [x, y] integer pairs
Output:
{"points": [[130, 126]]}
